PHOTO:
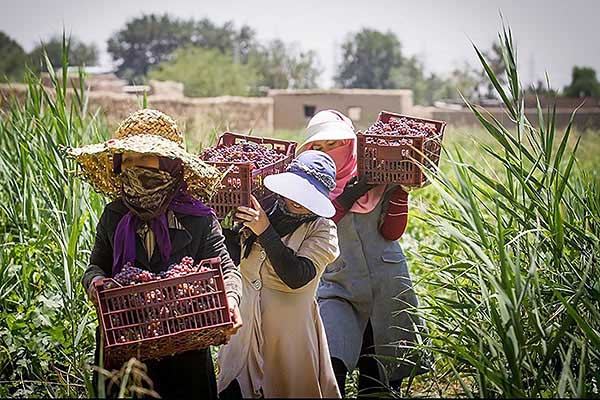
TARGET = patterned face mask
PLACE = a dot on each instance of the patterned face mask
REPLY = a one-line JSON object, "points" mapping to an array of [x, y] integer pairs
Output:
{"points": [[147, 192]]}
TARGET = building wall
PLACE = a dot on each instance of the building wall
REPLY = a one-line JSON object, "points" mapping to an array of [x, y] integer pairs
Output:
{"points": [[289, 105], [584, 118], [199, 118]]}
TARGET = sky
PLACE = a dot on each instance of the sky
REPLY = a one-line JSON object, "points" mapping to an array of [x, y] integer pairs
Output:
{"points": [[551, 36]]}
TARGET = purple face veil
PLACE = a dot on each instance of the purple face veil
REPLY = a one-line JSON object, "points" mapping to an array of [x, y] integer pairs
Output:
{"points": [[182, 203]]}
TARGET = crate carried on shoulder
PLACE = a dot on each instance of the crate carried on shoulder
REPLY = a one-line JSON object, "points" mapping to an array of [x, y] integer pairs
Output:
{"points": [[396, 147], [247, 160], [151, 316]]}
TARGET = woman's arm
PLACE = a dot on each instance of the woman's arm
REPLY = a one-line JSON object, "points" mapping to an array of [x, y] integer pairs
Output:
{"points": [[100, 265], [396, 217], [294, 271]]}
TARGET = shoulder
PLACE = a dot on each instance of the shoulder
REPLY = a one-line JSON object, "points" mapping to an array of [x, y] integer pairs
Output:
{"points": [[322, 226], [201, 223], [116, 207], [113, 212]]}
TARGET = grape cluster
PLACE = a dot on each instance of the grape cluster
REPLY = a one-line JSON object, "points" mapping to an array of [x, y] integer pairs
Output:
{"points": [[247, 152], [402, 126], [156, 312], [130, 275]]}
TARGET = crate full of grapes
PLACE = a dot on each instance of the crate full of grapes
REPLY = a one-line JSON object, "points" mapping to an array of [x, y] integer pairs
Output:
{"points": [[150, 316], [247, 161], [396, 147]]}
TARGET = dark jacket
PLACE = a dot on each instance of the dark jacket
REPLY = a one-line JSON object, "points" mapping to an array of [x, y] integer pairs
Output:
{"points": [[189, 374], [200, 239]]}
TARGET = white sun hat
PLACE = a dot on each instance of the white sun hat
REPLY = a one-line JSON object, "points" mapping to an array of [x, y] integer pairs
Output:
{"points": [[308, 180], [327, 125]]}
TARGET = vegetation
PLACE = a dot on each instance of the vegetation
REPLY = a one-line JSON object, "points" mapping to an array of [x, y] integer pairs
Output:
{"points": [[80, 54], [583, 83], [509, 273], [206, 73], [13, 58]]}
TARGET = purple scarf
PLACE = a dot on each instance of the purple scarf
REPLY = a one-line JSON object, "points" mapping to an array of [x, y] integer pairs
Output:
{"points": [[182, 203]]}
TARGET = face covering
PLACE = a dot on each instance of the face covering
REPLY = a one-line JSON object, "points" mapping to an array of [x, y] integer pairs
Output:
{"points": [[283, 221], [147, 192]]}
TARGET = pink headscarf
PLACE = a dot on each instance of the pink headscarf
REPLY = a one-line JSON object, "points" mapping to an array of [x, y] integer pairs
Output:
{"points": [[345, 159]]}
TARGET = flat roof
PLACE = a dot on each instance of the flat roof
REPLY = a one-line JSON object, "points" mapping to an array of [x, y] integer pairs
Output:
{"points": [[371, 92]]}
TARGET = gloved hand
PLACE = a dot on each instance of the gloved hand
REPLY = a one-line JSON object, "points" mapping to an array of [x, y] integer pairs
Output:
{"points": [[355, 189]]}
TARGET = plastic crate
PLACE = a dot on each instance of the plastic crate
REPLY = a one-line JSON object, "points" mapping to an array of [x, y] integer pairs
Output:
{"points": [[164, 317], [396, 159], [244, 178]]}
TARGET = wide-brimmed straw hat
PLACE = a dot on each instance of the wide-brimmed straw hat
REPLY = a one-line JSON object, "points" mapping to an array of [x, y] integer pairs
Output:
{"points": [[145, 131], [308, 180], [327, 125]]}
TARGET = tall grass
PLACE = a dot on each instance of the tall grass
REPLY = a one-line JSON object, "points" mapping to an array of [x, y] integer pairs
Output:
{"points": [[510, 283], [47, 223]]}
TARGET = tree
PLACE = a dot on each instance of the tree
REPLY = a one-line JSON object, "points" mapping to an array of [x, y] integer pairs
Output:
{"points": [[583, 83], [206, 73], [541, 88], [368, 60], [283, 66], [80, 54], [13, 58], [147, 41]]}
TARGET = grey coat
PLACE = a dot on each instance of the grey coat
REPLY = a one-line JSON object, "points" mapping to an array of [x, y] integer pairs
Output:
{"points": [[369, 281]]}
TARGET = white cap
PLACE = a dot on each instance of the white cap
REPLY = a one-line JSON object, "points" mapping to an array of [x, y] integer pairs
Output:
{"points": [[328, 125]]}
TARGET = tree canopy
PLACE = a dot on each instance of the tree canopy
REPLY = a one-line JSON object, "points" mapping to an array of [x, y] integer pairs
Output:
{"points": [[285, 66], [80, 53], [13, 58], [148, 40], [583, 83], [368, 59], [207, 72]]}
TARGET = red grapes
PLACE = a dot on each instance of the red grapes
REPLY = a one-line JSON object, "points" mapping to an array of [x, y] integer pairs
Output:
{"points": [[247, 152], [402, 126]]}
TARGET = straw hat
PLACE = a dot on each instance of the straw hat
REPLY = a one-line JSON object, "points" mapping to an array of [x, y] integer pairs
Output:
{"points": [[148, 132], [327, 125]]}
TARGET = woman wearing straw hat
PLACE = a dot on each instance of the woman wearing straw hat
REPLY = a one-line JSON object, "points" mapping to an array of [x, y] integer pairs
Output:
{"points": [[365, 295], [281, 351], [154, 222]]}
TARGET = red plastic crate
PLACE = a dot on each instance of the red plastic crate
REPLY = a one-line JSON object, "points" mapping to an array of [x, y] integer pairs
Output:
{"points": [[396, 159], [164, 317], [244, 178]]}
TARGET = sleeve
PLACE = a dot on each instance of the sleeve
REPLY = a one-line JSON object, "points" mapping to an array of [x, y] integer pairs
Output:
{"points": [[294, 271], [214, 246], [396, 217], [321, 244], [102, 255]]}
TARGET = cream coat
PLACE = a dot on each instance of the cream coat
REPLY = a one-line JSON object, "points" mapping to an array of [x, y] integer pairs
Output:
{"points": [[282, 348]]}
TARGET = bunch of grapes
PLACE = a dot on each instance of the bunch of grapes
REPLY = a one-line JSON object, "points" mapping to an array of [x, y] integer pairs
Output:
{"points": [[131, 275], [246, 152], [402, 126]]}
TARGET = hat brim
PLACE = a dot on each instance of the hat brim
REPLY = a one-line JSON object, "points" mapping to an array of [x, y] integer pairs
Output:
{"points": [[96, 167], [299, 190], [327, 134]]}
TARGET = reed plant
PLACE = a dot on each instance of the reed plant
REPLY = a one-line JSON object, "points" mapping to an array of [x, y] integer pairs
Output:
{"points": [[47, 224], [509, 278]]}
